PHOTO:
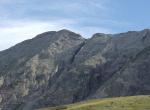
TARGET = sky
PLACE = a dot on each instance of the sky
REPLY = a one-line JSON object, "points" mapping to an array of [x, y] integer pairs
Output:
{"points": [[24, 19]]}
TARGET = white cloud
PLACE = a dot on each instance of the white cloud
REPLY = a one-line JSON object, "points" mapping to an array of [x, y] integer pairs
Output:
{"points": [[22, 30], [67, 14], [13, 32]]}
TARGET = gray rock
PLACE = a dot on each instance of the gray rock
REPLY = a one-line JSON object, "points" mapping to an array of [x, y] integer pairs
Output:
{"points": [[61, 67]]}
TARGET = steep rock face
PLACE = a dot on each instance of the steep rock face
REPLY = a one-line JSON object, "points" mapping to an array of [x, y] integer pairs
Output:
{"points": [[99, 59], [30, 66], [132, 79], [61, 67]]}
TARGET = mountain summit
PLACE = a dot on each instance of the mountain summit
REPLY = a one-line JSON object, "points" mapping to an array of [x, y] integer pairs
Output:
{"points": [[62, 67]]}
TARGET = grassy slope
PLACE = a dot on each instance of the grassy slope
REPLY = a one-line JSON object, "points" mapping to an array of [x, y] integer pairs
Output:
{"points": [[121, 103]]}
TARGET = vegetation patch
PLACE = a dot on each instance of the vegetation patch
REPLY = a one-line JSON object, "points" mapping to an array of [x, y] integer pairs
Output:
{"points": [[119, 103]]}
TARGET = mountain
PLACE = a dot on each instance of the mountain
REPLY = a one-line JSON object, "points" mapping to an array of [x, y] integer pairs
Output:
{"points": [[62, 67]]}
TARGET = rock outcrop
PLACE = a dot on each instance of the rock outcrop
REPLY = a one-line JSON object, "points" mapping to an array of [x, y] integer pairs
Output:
{"points": [[62, 67]]}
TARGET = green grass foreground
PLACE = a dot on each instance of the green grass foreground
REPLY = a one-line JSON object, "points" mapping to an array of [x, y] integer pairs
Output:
{"points": [[119, 103]]}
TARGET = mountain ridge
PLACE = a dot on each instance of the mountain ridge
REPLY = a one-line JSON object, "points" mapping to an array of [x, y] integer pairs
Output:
{"points": [[61, 67]]}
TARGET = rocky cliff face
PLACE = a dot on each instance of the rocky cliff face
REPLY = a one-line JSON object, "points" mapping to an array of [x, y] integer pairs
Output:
{"points": [[62, 67]]}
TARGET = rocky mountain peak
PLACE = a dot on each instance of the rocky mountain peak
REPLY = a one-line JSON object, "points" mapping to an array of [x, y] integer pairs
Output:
{"points": [[68, 35], [147, 30], [60, 67], [101, 36]]}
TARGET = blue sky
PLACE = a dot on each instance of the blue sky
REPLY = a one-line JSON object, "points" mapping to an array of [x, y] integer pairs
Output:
{"points": [[23, 19]]}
